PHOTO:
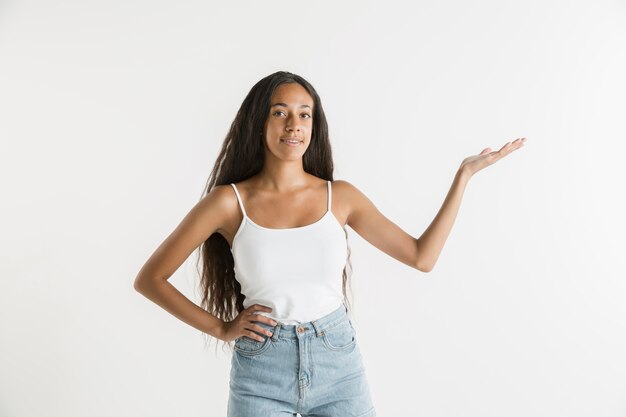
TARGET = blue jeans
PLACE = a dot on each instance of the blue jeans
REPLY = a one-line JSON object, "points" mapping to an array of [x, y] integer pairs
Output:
{"points": [[314, 369]]}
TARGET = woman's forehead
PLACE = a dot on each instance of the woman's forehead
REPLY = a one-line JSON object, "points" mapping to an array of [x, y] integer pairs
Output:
{"points": [[292, 95]]}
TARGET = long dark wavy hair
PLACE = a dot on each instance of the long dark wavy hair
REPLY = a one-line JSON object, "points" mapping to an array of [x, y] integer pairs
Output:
{"points": [[242, 156]]}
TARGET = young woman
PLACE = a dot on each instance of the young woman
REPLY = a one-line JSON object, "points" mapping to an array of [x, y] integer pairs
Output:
{"points": [[271, 229]]}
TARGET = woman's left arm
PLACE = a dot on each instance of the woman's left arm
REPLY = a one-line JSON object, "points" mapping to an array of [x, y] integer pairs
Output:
{"points": [[421, 253], [430, 243]]}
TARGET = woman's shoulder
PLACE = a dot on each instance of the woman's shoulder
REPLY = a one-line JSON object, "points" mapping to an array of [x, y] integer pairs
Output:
{"points": [[344, 186], [223, 197], [349, 195]]}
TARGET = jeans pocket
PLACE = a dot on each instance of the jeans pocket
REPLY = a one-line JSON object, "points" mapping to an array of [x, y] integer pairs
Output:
{"points": [[340, 336], [251, 347]]}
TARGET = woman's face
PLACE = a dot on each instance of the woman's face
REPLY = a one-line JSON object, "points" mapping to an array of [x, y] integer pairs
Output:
{"points": [[290, 117]]}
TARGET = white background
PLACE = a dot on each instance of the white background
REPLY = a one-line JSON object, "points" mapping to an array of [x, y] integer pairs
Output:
{"points": [[111, 117]]}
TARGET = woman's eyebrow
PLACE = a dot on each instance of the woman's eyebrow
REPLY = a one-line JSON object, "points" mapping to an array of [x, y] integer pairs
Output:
{"points": [[285, 105]]}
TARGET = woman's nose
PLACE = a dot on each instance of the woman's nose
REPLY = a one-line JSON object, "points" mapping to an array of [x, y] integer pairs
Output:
{"points": [[292, 125]]}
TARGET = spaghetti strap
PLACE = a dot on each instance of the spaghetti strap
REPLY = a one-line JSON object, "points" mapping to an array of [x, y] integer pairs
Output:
{"points": [[329, 195], [239, 199]]}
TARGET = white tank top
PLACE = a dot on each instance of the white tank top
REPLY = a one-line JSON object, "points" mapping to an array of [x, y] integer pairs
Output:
{"points": [[296, 271]]}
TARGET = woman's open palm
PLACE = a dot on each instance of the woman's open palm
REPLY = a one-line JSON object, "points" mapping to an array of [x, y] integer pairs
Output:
{"points": [[473, 164]]}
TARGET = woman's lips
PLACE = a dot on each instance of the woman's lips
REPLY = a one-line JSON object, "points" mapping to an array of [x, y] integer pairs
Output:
{"points": [[289, 143]]}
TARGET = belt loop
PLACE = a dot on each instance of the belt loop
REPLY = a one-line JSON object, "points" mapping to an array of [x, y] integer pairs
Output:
{"points": [[348, 312], [318, 330], [275, 332]]}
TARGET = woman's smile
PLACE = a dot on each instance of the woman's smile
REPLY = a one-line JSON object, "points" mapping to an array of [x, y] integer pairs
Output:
{"points": [[291, 142]]}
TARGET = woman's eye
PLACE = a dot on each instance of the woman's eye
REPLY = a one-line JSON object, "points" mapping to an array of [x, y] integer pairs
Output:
{"points": [[308, 116]]}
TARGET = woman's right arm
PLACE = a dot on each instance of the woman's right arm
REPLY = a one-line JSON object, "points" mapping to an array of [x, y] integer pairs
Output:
{"points": [[204, 219]]}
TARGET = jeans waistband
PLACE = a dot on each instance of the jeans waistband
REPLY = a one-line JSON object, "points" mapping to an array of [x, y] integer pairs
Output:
{"points": [[316, 327]]}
